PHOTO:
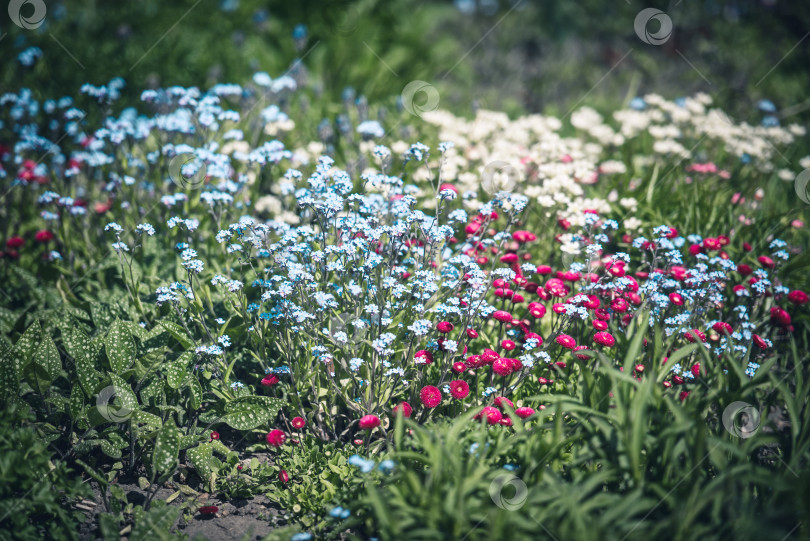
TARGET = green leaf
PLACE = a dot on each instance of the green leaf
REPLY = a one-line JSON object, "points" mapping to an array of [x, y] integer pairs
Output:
{"points": [[117, 402], [102, 314], [7, 320], [251, 411], [196, 392], [25, 346], [177, 371], [76, 402], [167, 447], [200, 459], [120, 347], [177, 331], [79, 347], [188, 441], [109, 449], [152, 393], [47, 356], [9, 381], [109, 525], [146, 422], [37, 377], [156, 524]]}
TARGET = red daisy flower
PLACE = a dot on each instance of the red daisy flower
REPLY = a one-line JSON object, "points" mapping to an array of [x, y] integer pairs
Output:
{"points": [[270, 380], [43, 236], [430, 396], [502, 402], [694, 335], [276, 437], [209, 510], [369, 422], [604, 339], [444, 327], [798, 297], [405, 408], [722, 327], [283, 476], [580, 356], [524, 412], [15, 242], [493, 415], [761, 344], [298, 422], [502, 367], [566, 341], [423, 356], [502, 316], [459, 389]]}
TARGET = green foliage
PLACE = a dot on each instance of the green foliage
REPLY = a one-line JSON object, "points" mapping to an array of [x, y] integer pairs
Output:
{"points": [[632, 464], [37, 489]]}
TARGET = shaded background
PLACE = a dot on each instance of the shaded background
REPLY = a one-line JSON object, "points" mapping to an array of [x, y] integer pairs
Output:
{"points": [[518, 56]]}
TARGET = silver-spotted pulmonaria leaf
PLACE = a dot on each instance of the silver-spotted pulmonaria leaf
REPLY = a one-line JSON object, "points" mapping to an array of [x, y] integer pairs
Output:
{"points": [[126, 400], [47, 356], [177, 370], [167, 447], [7, 320], [200, 459], [196, 392], [9, 382], [79, 347], [120, 347], [152, 394], [102, 314], [77, 408], [251, 411], [146, 422], [177, 331], [25, 346], [109, 449], [188, 441]]}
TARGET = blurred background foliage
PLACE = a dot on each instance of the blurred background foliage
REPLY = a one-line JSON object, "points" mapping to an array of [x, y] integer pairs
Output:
{"points": [[515, 55]]}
